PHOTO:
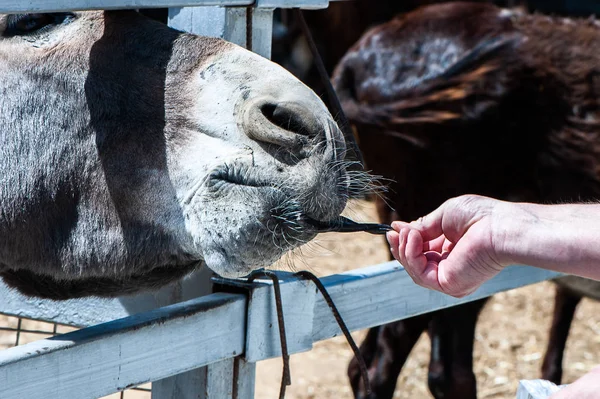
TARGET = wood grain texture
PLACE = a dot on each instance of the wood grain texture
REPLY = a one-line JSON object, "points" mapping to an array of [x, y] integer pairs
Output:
{"points": [[384, 293], [22, 6], [298, 303], [244, 382], [365, 298], [110, 357], [150, 346], [87, 312]]}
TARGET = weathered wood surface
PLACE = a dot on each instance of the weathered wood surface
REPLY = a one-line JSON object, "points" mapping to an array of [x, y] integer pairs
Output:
{"points": [[261, 31], [80, 312], [307, 4], [103, 359], [244, 373], [298, 303], [22, 6], [87, 312], [365, 298], [150, 346], [228, 23], [19, 6], [384, 293], [537, 389]]}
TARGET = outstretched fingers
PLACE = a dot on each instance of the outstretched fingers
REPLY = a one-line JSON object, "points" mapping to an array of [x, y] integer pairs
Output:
{"points": [[407, 247]]}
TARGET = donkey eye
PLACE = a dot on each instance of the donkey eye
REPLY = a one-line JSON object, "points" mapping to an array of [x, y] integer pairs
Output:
{"points": [[27, 24]]}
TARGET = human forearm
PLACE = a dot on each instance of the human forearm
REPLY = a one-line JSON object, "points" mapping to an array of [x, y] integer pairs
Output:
{"points": [[564, 238]]}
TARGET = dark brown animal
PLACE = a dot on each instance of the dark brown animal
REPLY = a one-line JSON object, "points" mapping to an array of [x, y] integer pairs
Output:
{"points": [[335, 29], [470, 98]]}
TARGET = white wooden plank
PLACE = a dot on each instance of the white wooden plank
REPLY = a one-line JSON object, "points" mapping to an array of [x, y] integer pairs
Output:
{"points": [[537, 389], [205, 382], [261, 28], [99, 360], [193, 286], [227, 23], [298, 303], [307, 4], [226, 379], [219, 380], [79, 312], [211, 381], [365, 298], [167, 341], [182, 385], [385, 293], [86, 312], [186, 385], [21, 6]]}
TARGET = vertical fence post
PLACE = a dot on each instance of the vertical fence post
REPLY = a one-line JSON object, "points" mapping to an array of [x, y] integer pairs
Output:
{"points": [[260, 31], [228, 23], [244, 379], [231, 378]]}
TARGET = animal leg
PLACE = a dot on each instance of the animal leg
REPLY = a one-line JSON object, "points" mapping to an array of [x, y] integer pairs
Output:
{"points": [[368, 349], [452, 333], [565, 304], [386, 352], [440, 356]]}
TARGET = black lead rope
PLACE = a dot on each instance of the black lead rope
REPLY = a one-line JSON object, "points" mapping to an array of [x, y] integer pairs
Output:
{"points": [[286, 378], [342, 225], [361, 361], [334, 101]]}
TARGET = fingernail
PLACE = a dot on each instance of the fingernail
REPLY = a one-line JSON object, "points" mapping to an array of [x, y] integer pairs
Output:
{"points": [[417, 222]]}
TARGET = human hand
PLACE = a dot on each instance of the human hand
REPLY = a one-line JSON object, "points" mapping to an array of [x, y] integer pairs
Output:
{"points": [[455, 248]]}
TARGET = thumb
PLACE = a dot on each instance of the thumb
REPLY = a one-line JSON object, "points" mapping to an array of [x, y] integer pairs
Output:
{"points": [[454, 217], [430, 226]]}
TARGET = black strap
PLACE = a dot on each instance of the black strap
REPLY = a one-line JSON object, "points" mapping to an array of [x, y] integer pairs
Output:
{"points": [[334, 103], [286, 378]]}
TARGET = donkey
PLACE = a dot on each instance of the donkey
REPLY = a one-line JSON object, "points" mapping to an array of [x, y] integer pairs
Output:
{"points": [[335, 29], [132, 154], [470, 98]]}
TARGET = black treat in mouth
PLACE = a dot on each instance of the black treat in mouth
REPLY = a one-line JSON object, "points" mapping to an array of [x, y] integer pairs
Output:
{"points": [[344, 225]]}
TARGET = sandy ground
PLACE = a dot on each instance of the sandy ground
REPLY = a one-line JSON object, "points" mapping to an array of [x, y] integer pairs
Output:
{"points": [[510, 338]]}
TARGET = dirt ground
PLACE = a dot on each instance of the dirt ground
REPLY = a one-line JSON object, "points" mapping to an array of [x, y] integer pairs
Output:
{"points": [[510, 338]]}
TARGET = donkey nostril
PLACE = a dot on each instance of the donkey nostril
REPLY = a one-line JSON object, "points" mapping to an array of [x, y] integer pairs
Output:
{"points": [[292, 125], [290, 117]]}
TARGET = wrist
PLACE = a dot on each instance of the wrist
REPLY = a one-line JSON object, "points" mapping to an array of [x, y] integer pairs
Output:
{"points": [[515, 227]]}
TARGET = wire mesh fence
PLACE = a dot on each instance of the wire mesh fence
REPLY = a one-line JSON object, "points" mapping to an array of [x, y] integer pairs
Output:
{"points": [[15, 331]]}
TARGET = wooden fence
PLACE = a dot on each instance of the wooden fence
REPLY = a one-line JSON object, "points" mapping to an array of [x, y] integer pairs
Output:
{"points": [[227, 332]]}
